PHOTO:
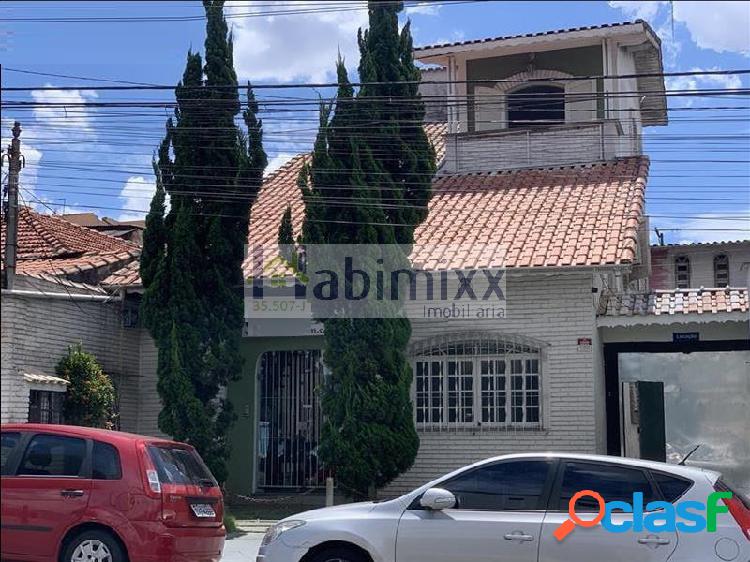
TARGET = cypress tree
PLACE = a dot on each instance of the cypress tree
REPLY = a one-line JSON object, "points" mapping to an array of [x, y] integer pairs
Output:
{"points": [[372, 154], [191, 265]]}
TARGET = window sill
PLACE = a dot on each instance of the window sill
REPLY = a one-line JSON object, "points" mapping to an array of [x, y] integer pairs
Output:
{"points": [[485, 428]]}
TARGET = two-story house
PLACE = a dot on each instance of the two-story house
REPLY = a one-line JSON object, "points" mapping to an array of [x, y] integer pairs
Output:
{"points": [[539, 142]]}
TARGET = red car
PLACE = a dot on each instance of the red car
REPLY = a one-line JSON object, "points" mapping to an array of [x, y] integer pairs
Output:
{"points": [[76, 494]]}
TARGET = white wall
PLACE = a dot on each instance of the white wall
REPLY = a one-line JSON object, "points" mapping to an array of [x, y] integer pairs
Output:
{"points": [[556, 310], [701, 264], [36, 333]]}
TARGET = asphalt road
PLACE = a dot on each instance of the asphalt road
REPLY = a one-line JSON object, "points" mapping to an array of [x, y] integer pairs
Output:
{"points": [[242, 549]]}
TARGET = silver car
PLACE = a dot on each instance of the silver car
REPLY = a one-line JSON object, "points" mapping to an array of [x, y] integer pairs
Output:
{"points": [[514, 508]]}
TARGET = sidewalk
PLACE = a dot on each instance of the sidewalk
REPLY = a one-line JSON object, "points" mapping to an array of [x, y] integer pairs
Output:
{"points": [[243, 548]]}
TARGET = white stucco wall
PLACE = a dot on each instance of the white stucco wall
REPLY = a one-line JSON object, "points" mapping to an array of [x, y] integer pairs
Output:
{"points": [[701, 258]]}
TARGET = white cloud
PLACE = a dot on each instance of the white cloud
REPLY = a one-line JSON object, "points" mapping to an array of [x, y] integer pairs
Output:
{"points": [[66, 109], [136, 197], [424, 8], [640, 10], [299, 48], [700, 81], [721, 26], [278, 161], [710, 227]]}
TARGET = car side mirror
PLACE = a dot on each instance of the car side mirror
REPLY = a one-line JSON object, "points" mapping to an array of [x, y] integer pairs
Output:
{"points": [[437, 499]]}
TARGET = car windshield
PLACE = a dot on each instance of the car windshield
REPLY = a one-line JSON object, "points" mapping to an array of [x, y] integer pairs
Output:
{"points": [[178, 465]]}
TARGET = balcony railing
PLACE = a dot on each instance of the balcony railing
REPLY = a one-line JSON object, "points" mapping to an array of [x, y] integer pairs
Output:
{"points": [[554, 145]]}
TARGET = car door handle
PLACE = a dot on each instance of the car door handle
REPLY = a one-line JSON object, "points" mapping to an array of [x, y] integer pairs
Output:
{"points": [[71, 493], [653, 540], [518, 536]]}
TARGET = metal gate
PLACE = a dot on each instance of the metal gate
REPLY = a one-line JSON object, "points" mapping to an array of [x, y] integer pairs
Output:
{"points": [[290, 420]]}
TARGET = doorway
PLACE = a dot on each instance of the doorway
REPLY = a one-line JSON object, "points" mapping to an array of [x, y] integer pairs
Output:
{"points": [[290, 420]]}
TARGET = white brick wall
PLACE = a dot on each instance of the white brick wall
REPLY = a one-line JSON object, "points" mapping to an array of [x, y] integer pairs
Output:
{"points": [[559, 145], [557, 310], [36, 333]]}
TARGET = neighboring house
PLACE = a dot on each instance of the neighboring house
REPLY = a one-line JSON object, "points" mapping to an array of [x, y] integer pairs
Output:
{"points": [[60, 299], [710, 264], [127, 230]]}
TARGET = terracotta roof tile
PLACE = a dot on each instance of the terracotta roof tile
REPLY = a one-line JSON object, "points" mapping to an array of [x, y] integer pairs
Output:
{"points": [[592, 220], [124, 277], [675, 302], [49, 244], [548, 217]]}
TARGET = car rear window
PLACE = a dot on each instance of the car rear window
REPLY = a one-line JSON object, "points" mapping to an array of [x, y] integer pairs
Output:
{"points": [[613, 482], [177, 465], [105, 463], [8, 443], [672, 487]]}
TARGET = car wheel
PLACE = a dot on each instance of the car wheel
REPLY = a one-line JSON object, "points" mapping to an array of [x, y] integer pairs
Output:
{"points": [[93, 546], [339, 554]]}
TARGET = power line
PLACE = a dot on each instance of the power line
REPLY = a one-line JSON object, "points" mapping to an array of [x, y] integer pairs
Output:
{"points": [[293, 85]]}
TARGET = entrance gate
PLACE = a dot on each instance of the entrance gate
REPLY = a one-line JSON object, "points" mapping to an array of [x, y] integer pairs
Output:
{"points": [[290, 420]]}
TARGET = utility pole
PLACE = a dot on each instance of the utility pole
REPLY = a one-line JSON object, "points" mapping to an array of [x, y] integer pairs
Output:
{"points": [[11, 213]]}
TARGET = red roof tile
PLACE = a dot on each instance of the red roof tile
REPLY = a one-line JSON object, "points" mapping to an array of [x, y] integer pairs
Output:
{"points": [[552, 217], [49, 244], [124, 277], [547, 217], [675, 302]]}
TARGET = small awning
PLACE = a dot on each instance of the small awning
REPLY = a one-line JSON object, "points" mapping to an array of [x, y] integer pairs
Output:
{"points": [[40, 378]]}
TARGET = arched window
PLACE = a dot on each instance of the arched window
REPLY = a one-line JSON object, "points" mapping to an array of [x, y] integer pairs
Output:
{"points": [[721, 270], [477, 382], [536, 105], [682, 272]]}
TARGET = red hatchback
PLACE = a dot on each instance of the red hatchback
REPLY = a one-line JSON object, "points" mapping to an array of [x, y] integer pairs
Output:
{"points": [[76, 494]]}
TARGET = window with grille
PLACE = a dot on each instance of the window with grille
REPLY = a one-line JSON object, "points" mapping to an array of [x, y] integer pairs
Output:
{"points": [[46, 406], [721, 270], [682, 272], [470, 384]]}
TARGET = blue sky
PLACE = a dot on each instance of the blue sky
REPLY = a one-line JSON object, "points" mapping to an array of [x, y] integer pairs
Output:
{"points": [[92, 162]]}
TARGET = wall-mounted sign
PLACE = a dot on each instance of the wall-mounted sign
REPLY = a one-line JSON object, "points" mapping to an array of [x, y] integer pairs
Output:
{"points": [[584, 344], [684, 337]]}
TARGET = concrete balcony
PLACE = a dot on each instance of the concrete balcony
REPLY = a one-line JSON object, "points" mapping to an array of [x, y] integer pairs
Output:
{"points": [[554, 145]]}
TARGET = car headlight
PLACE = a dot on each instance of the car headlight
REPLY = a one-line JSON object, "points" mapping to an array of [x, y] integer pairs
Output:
{"points": [[275, 531]]}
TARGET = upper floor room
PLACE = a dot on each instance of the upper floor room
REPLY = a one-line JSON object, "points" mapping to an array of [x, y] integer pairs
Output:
{"points": [[712, 264], [553, 98]]}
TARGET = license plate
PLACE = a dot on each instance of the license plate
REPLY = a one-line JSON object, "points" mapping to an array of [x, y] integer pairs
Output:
{"points": [[202, 510]]}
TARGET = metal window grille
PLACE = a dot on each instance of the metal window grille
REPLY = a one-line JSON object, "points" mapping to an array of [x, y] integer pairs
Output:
{"points": [[682, 272], [721, 270], [290, 420], [486, 383], [46, 406]]}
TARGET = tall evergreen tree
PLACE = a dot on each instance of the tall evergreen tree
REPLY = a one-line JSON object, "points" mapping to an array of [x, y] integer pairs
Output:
{"points": [[368, 183], [191, 265]]}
